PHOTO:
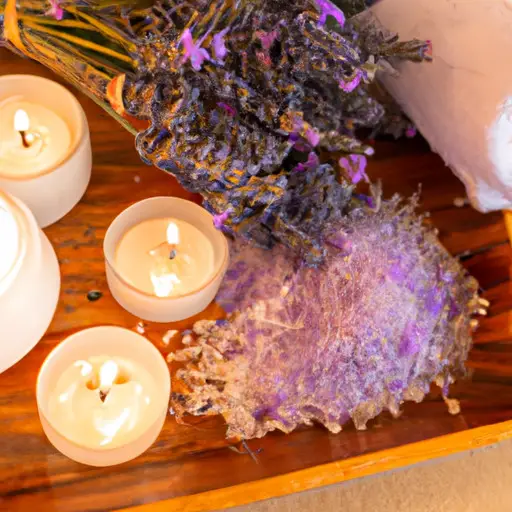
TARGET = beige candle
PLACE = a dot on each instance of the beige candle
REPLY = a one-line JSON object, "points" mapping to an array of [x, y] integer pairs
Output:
{"points": [[29, 281], [36, 139], [164, 259], [103, 395], [45, 148], [104, 401]]}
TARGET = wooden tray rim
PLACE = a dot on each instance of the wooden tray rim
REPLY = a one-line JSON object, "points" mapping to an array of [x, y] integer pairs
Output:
{"points": [[334, 472]]}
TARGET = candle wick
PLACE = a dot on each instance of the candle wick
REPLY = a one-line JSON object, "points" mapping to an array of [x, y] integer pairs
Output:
{"points": [[172, 255], [24, 140], [103, 395]]}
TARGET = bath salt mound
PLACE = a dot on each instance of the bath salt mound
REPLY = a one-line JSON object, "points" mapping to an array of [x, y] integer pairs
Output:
{"points": [[385, 316]]}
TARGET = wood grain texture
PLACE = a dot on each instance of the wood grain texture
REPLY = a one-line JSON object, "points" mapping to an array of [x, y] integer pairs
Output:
{"points": [[194, 459]]}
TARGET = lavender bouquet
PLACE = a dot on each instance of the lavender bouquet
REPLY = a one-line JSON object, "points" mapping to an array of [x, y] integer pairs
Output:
{"points": [[249, 103]]}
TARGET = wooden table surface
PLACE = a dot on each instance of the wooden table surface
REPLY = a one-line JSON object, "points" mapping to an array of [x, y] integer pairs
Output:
{"points": [[191, 467]]}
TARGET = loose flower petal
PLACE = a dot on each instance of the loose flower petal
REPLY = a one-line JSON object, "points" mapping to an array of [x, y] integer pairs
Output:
{"points": [[195, 53]]}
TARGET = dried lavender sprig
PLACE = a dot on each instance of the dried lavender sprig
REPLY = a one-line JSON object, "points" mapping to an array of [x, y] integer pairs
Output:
{"points": [[236, 128]]}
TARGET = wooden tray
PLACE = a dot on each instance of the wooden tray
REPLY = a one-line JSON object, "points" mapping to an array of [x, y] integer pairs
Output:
{"points": [[190, 467]]}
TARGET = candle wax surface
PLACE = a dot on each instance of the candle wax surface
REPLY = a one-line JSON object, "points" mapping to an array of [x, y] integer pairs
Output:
{"points": [[143, 257], [9, 239], [78, 413], [51, 134]]}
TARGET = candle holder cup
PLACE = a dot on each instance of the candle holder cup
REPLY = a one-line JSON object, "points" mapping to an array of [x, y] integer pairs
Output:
{"points": [[116, 342], [53, 192], [165, 309], [32, 283]]}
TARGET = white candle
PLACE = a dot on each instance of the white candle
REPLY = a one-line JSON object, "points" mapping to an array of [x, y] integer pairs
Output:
{"points": [[164, 259], [29, 281], [35, 140], [45, 149], [102, 395], [104, 401]]}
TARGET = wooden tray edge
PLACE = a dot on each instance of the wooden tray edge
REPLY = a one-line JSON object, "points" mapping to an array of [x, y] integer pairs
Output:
{"points": [[508, 223], [334, 472]]}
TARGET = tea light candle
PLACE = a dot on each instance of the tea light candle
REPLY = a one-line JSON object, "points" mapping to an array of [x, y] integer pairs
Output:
{"points": [[103, 395], [45, 149], [181, 264], [164, 259], [29, 281]]}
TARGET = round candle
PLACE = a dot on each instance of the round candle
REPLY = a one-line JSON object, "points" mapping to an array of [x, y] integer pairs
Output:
{"points": [[165, 257], [28, 271], [45, 147], [104, 401], [103, 395], [48, 138]]}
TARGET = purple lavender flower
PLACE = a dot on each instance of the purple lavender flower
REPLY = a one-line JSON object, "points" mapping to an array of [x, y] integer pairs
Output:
{"points": [[267, 38], [411, 132], [328, 9], [312, 163], [195, 53], [219, 45], [221, 218], [230, 111], [312, 137], [369, 200], [55, 10], [352, 83], [355, 165]]}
